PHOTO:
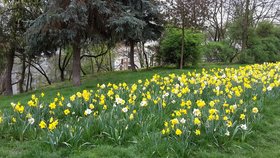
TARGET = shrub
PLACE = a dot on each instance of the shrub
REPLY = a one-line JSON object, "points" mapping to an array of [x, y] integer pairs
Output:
{"points": [[219, 51], [263, 45], [170, 46]]}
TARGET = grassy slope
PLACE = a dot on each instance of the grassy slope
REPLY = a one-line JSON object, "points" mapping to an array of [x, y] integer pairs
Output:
{"points": [[265, 142], [88, 83]]}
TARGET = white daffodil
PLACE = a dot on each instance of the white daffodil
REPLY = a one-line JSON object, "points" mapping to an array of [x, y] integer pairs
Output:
{"points": [[196, 112], [31, 120], [69, 105], [183, 121], [88, 111], [243, 126], [227, 133], [102, 86], [119, 100], [144, 103], [124, 110]]}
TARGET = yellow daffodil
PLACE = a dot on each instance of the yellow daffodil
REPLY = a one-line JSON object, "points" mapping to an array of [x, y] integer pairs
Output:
{"points": [[73, 97], [200, 103], [242, 116], [212, 103], [52, 106], [131, 117], [14, 120], [197, 121], [229, 123], [91, 106], [19, 108], [66, 111], [254, 98], [31, 103], [197, 132], [174, 121], [178, 132], [42, 124], [53, 125]]}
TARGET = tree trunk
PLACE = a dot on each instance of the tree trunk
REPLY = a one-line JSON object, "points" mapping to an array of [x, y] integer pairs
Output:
{"points": [[183, 38], [61, 68], [140, 54], [2, 80], [221, 27], [8, 87], [145, 55], [152, 61], [28, 75], [131, 56], [30, 83], [62, 78], [92, 67], [110, 60], [84, 73], [21, 81], [40, 70], [76, 64], [182, 48], [245, 27], [99, 64]]}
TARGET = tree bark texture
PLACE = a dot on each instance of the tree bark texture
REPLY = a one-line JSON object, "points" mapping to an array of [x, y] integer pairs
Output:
{"points": [[145, 55], [28, 75], [8, 88], [245, 26], [76, 64], [22, 76], [131, 56], [183, 38], [61, 68], [182, 48]]}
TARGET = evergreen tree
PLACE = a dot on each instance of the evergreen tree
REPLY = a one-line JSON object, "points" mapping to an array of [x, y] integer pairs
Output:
{"points": [[78, 21], [141, 21]]}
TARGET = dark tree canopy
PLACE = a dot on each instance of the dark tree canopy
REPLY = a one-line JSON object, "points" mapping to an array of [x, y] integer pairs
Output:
{"points": [[75, 22], [65, 22]]}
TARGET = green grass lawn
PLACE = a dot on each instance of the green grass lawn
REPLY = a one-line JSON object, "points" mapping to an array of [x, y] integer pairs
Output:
{"points": [[264, 142]]}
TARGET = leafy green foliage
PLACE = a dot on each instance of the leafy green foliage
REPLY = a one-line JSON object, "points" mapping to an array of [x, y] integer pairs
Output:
{"points": [[219, 51], [264, 45], [62, 23], [263, 42], [65, 22], [170, 46], [265, 29]]}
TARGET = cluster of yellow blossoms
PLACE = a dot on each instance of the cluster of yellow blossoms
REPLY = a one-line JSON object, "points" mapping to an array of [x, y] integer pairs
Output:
{"points": [[216, 101]]}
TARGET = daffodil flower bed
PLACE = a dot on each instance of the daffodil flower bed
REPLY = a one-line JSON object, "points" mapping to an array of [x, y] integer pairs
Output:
{"points": [[214, 105]]}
